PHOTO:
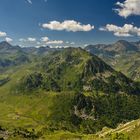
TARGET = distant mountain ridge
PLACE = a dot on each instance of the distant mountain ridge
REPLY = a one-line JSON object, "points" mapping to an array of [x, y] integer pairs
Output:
{"points": [[67, 89], [117, 48], [122, 56], [14, 55], [6, 47]]}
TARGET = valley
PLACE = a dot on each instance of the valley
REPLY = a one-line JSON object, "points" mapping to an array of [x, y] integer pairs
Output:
{"points": [[69, 70], [68, 94]]}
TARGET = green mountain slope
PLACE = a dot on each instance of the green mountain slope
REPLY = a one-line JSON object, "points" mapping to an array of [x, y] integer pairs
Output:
{"points": [[76, 69], [122, 56], [129, 64], [63, 93], [117, 48], [11, 56]]}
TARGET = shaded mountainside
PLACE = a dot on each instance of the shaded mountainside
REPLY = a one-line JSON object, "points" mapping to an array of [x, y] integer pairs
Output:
{"points": [[129, 64], [76, 69], [15, 55], [11, 55], [39, 51], [122, 56], [5, 47], [120, 47], [70, 91]]}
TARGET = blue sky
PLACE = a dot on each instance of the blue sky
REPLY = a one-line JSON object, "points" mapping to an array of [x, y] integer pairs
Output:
{"points": [[68, 22]]}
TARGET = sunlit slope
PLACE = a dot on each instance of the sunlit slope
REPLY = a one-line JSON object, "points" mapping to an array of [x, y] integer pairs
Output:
{"points": [[65, 94], [129, 64]]}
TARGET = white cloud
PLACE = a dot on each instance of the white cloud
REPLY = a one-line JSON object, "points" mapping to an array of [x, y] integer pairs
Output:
{"points": [[2, 34], [55, 42], [59, 47], [37, 46], [38, 43], [85, 45], [67, 25], [47, 41], [29, 1], [8, 39], [72, 43], [124, 31], [30, 39], [22, 40], [128, 8], [44, 39]]}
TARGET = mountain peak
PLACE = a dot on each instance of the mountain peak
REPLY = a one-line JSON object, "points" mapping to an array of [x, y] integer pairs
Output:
{"points": [[80, 69], [122, 41], [5, 44]]}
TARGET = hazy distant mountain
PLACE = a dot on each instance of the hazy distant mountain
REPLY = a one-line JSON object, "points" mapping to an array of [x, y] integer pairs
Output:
{"points": [[11, 55], [122, 55], [117, 48], [14, 55], [128, 63], [6, 48], [38, 51]]}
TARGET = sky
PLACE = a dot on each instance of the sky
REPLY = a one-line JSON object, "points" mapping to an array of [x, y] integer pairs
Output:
{"points": [[63, 23]]}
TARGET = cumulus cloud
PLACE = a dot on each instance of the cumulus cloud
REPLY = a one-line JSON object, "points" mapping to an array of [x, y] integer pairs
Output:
{"points": [[124, 31], [72, 43], [38, 43], [128, 7], [67, 25], [3, 34], [44, 39], [55, 42], [59, 47], [85, 45], [47, 41], [8, 39], [22, 40], [30, 39]]}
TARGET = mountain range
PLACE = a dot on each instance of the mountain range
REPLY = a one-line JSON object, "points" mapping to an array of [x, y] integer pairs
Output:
{"points": [[44, 91], [118, 48], [122, 56], [122, 53]]}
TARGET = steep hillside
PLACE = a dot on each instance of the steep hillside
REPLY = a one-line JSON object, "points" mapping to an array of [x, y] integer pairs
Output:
{"points": [[5, 47], [14, 55], [65, 92], [118, 48], [122, 56], [76, 69], [11, 55], [129, 64]]}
